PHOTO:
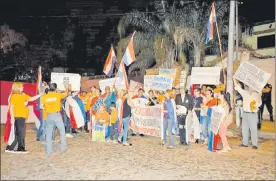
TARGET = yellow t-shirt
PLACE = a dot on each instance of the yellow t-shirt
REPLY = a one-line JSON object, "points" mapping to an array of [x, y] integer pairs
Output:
{"points": [[89, 98], [52, 102], [20, 109], [114, 116], [44, 115]]}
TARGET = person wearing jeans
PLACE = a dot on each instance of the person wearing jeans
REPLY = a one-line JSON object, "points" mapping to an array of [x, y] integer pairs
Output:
{"points": [[52, 105], [126, 113]]}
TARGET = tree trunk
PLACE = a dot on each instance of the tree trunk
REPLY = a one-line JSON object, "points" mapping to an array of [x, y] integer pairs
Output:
{"points": [[197, 56]]}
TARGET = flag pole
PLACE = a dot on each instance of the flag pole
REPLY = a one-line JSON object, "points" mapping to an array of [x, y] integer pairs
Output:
{"points": [[220, 49]]}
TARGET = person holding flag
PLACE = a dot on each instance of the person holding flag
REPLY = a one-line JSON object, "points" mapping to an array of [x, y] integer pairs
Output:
{"points": [[19, 112]]}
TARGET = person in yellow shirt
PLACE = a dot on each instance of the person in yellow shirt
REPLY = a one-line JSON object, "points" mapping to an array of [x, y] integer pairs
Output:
{"points": [[89, 96], [102, 118], [19, 111], [114, 122], [51, 103]]}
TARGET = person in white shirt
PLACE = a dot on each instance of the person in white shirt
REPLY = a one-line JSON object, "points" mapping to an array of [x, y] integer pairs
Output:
{"points": [[251, 101]]}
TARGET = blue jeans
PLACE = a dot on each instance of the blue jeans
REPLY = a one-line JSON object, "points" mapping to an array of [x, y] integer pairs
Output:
{"points": [[205, 124], [67, 124], [54, 120], [41, 134], [125, 130], [168, 125]]}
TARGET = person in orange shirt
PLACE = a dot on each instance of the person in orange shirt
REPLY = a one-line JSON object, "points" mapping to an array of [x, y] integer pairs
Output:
{"points": [[19, 111], [51, 103], [89, 96], [102, 118]]}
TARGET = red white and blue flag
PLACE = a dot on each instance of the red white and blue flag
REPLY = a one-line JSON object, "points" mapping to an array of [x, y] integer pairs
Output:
{"points": [[110, 62], [38, 91], [210, 26], [129, 56]]}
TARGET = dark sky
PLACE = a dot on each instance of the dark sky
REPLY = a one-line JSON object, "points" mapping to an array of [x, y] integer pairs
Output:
{"points": [[20, 13]]}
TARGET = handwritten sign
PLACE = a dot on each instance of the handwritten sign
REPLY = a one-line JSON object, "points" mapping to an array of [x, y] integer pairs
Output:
{"points": [[218, 114], [110, 82], [157, 82], [64, 78], [98, 133], [134, 87], [147, 120], [252, 76], [168, 73], [205, 75]]}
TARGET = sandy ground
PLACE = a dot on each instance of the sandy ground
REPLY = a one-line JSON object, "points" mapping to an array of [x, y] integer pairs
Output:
{"points": [[145, 159]]}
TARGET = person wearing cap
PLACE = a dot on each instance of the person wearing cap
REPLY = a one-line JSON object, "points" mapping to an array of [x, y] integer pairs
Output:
{"points": [[51, 102]]}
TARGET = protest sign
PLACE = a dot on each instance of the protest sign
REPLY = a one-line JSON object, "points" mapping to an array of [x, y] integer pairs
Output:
{"points": [[205, 75], [147, 120], [67, 78], [134, 87], [252, 76], [111, 82], [98, 133], [157, 82], [217, 117], [168, 73], [140, 102]]}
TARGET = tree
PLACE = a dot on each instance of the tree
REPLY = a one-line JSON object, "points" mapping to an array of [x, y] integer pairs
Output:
{"points": [[179, 26]]}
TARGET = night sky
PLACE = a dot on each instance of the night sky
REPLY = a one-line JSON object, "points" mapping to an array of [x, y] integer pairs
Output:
{"points": [[28, 16]]}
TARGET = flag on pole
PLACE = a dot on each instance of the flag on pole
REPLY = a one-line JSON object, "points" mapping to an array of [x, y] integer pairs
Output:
{"points": [[38, 91], [129, 56], [122, 76], [109, 63], [9, 135], [210, 26]]}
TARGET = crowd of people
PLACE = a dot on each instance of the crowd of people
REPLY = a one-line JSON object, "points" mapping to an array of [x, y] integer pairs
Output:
{"points": [[113, 108]]}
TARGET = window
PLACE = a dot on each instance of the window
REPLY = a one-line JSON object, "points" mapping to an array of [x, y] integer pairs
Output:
{"points": [[266, 41]]}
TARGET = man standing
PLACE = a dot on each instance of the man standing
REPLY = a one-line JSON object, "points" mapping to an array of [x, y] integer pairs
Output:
{"points": [[185, 100], [251, 101], [266, 101]]}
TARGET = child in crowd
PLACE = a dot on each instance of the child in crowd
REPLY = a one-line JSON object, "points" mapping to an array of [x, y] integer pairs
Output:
{"points": [[102, 118], [114, 122]]}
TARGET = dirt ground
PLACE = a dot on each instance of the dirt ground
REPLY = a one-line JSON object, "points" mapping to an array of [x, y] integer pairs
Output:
{"points": [[145, 159]]}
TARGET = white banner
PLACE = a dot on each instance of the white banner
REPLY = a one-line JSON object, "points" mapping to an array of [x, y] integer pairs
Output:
{"points": [[205, 75], [110, 82], [147, 120], [218, 114], [61, 78], [157, 82], [252, 76]]}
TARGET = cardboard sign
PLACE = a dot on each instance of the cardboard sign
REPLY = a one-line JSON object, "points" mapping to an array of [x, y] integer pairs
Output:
{"points": [[205, 75], [168, 73], [68, 78], [110, 82], [98, 133], [252, 76], [218, 114], [147, 120], [157, 82]]}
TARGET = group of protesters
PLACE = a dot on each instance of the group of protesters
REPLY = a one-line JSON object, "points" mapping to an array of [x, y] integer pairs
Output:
{"points": [[113, 110]]}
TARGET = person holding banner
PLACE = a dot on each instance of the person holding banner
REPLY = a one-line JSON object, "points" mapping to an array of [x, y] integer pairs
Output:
{"points": [[19, 112], [95, 104], [225, 103], [52, 105], [251, 101], [169, 118]]}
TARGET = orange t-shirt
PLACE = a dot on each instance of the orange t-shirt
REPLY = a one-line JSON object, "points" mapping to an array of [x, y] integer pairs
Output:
{"points": [[102, 116], [212, 102]]}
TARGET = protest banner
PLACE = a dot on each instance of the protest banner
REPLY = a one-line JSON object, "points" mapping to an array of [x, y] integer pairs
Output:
{"points": [[168, 73], [98, 133], [134, 87], [252, 76], [140, 102], [205, 75], [218, 114], [147, 120], [157, 82], [110, 82], [68, 78]]}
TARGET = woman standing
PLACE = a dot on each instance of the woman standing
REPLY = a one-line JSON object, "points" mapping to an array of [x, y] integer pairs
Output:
{"points": [[19, 112], [225, 104], [169, 118]]}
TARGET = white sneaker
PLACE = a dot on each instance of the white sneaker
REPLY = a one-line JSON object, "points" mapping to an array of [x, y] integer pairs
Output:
{"points": [[10, 151], [68, 135]]}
